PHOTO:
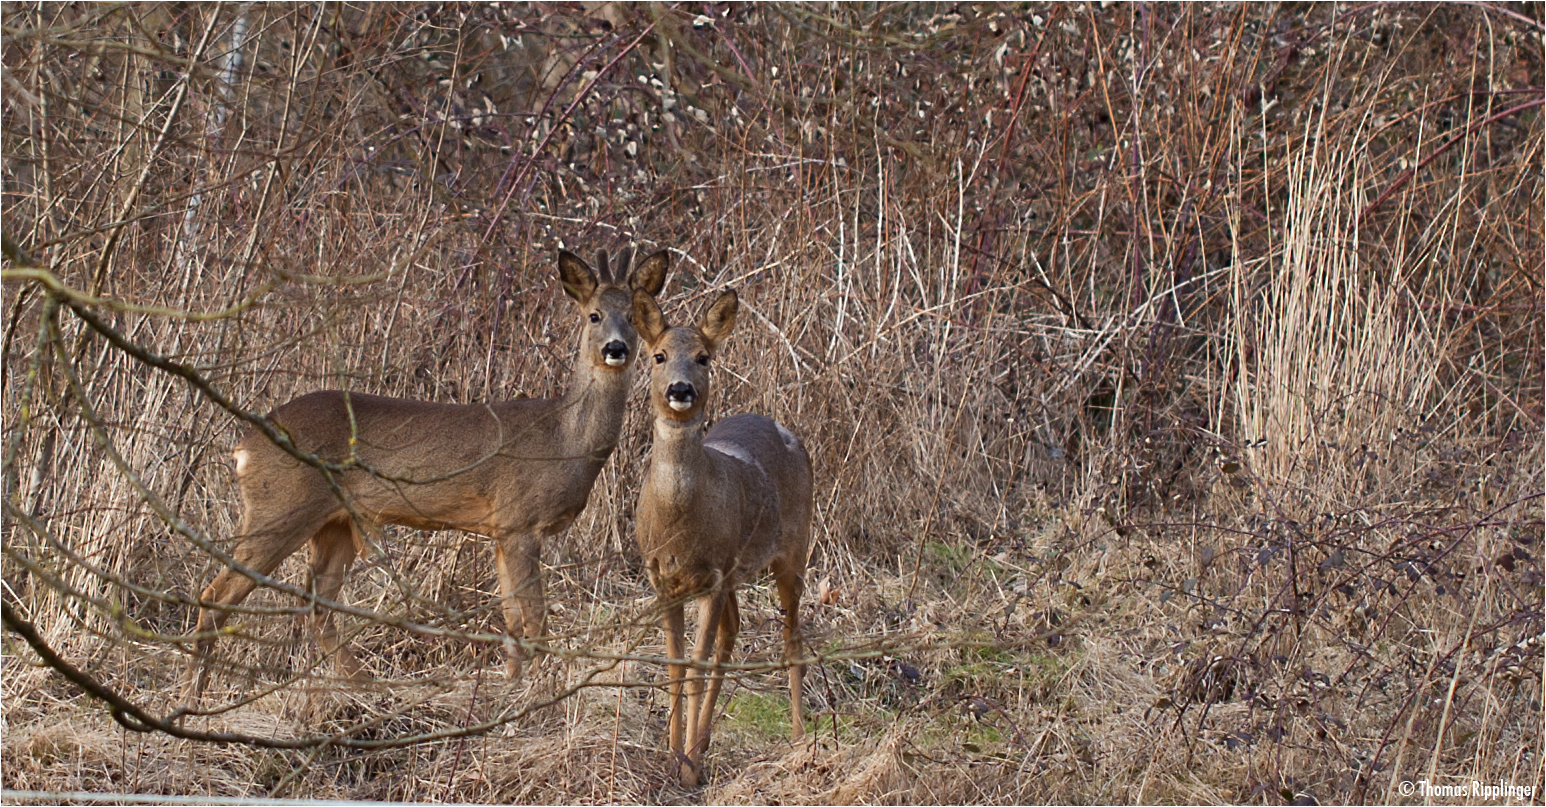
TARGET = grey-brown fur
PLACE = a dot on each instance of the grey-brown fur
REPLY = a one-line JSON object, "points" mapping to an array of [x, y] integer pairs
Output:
{"points": [[513, 471], [715, 510]]}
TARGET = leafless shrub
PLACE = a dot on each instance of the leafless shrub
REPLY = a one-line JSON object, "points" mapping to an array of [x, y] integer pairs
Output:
{"points": [[1173, 378]]}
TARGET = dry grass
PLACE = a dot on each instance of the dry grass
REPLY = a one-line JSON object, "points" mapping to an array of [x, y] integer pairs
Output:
{"points": [[1173, 378]]}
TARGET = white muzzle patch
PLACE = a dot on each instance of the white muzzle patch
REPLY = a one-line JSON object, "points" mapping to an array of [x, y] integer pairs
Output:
{"points": [[680, 406], [616, 361]]}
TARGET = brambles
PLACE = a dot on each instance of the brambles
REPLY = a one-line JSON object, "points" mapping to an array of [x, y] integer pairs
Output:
{"points": [[1190, 358]]}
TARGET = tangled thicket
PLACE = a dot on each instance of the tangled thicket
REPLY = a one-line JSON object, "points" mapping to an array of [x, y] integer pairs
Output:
{"points": [[1173, 377]]}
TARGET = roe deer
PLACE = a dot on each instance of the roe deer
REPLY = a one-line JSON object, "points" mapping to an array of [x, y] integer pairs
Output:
{"points": [[513, 471], [715, 509]]}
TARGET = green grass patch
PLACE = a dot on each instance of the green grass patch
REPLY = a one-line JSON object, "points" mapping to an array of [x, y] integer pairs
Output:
{"points": [[946, 558], [763, 714]]}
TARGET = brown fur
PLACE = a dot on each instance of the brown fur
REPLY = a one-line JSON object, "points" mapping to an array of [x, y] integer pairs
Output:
{"points": [[715, 510], [512, 471]]}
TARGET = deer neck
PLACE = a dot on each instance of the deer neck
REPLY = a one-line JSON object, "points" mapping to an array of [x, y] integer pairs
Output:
{"points": [[677, 459], [592, 409]]}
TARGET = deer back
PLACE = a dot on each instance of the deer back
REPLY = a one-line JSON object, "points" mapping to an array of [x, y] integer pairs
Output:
{"points": [[424, 464], [518, 466], [773, 474]]}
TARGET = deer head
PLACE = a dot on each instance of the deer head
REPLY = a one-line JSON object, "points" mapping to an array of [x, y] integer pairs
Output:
{"points": [[608, 339], [679, 375]]}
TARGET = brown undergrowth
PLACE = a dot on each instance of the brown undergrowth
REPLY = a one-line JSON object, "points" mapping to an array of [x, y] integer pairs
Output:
{"points": [[1172, 376]]}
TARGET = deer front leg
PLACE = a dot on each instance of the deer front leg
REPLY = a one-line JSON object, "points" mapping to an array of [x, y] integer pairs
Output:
{"points": [[520, 583], [671, 621], [729, 628], [711, 608]]}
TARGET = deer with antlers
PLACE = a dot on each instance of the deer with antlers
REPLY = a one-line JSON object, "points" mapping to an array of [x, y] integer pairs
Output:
{"points": [[515, 472]]}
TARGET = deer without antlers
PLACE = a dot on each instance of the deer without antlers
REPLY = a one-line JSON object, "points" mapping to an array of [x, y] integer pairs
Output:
{"points": [[714, 510], [512, 471]]}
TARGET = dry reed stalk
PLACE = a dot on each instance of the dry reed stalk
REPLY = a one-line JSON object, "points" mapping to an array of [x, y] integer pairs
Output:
{"points": [[1035, 282]]}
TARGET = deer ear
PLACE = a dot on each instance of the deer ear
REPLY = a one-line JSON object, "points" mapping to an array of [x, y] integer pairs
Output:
{"points": [[720, 319], [647, 319], [579, 281], [650, 275]]}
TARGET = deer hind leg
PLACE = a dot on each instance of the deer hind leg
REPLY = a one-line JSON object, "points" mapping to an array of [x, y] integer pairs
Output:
{"points": [[521, 597], [332, 553], [790, 588], [711, 608], [260, 549]]}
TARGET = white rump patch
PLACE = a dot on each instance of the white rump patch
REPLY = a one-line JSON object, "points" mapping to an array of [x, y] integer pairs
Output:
{"points": [[733, 450], [241, 457], [790, 441], [680, 406]]}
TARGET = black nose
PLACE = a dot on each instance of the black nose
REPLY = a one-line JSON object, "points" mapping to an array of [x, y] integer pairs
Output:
{"points": [[615, 352], [681, 391]]}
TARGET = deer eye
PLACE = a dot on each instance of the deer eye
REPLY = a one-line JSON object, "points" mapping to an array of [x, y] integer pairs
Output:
{"points": [[703, 359], [595, 317], [660, 358]]}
